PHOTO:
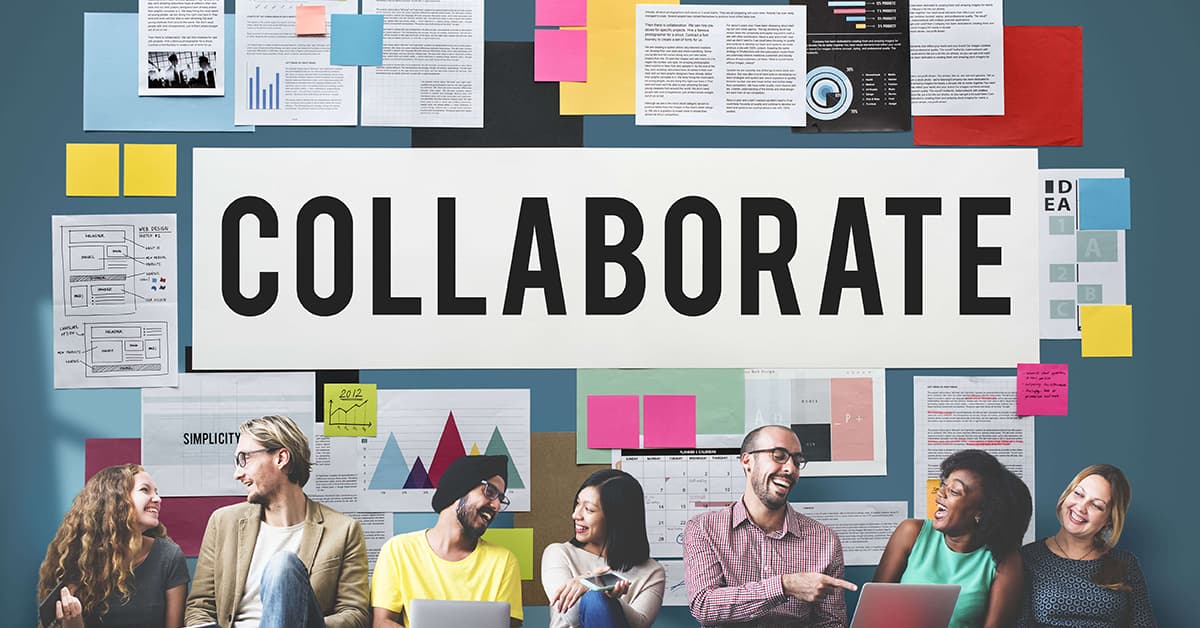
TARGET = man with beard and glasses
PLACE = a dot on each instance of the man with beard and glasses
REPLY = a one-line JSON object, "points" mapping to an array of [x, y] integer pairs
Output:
{"points": [[280, 559], [758, 562], [451, 560]]}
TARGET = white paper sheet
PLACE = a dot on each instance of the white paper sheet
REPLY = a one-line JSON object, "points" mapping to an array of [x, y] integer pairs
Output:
{"points": [[181, 48], [284, 79], [115, 304], [955, 413], [863, 527], [957, 57], [675, 593], [721, 65], [385, 473], [839, 415], [190, 433], [1077, 267], [432, 72], [377, 528]]}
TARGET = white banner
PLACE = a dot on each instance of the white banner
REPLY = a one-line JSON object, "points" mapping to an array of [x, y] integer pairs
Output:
{"points": [[595, 258]]}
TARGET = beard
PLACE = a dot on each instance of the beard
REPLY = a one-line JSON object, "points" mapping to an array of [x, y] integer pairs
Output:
{"points": [[765, 492], [463, 514]]}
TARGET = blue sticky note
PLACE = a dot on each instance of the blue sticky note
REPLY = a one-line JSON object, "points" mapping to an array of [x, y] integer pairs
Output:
{"points": [[1104, 203], [356, 39], [111, 77]]}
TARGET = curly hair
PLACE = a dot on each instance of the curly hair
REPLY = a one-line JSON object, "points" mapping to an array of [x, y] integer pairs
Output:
{"points": [[94, 548], [1007, 504]]}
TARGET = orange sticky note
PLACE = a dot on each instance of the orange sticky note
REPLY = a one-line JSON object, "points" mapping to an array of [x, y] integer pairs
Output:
{"points": [[1106, 331], [93, 169], [931, 489], [310, 19]]}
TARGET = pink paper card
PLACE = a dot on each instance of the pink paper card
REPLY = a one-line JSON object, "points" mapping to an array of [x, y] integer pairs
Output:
{"points": [[560, 13], [310, 20], [612, 421], [851, 419], [559, 55], [1042, 389], [670, 421], [99, 453]]}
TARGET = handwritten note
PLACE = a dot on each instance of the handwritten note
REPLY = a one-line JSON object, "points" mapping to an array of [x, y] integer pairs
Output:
{"points": [[350, 409], [1042, 389]]}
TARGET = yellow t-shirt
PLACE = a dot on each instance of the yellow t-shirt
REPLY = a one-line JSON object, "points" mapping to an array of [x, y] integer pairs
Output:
{"points": [[408, 569]]}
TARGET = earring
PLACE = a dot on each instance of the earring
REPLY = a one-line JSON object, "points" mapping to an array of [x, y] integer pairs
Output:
{"points": [[978, 520]]}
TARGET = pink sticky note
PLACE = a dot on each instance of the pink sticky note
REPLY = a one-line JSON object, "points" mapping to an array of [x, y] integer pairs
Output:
{"points": [[670, 421], [106, 452], [310, 20], [559, 55], [1042, 389], [560, 13], [612, 421], [851, 419]]}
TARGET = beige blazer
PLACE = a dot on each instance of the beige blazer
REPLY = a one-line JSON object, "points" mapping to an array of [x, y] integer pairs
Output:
{"points": [[333, 550]]}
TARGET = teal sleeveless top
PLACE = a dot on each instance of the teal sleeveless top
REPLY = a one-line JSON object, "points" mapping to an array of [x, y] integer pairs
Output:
{"points": [[931, 562]]}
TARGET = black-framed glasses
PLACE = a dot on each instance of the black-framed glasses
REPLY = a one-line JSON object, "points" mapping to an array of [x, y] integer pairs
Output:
{"points": [[781, 455], [491, 492], [241, 456]]}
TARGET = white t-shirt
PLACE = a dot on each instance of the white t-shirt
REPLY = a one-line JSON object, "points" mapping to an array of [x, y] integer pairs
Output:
{"points": [[271, 541]]}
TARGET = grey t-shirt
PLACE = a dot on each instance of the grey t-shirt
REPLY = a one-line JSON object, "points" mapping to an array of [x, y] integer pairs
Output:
{"points": [[164, 568]]}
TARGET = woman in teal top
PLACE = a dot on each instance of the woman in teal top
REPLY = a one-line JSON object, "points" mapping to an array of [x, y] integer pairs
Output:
{"points": [[972, 541]]}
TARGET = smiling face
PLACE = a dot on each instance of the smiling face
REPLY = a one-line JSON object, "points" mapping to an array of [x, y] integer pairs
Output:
{"points": [[146, 502], [589, 520], [767, 480], [959, 502], [1085, 510], [475, 511], [263, 474]]}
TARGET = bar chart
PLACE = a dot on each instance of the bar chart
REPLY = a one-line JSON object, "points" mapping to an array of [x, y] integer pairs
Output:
{"points": [[262, 97]]}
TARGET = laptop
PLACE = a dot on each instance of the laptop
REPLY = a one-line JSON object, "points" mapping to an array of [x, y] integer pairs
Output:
{"points": [[443, 613], [886, 605]]}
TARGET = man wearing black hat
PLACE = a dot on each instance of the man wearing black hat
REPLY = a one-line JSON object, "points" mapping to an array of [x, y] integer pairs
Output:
{"points": [[451, 560]]}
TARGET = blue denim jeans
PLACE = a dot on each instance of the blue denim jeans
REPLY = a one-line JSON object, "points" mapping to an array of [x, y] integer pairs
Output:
{"points": [[288, 600], [597, 610]]}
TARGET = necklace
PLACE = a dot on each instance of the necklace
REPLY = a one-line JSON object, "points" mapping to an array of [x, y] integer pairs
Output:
{"points": [[1066, 554]]}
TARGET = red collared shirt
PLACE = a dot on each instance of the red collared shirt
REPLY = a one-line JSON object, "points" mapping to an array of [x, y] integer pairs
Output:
{"points": [[733, 570]]}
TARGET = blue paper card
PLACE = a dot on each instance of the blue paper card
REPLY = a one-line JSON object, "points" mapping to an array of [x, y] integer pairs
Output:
{"points": [[111, 78], [1104, 204], [355, 39]]}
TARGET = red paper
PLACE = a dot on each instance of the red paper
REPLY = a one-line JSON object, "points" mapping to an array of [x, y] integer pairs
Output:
{"points": [[99, 453], [670, 420], [1042, 389], [1043, 96]]}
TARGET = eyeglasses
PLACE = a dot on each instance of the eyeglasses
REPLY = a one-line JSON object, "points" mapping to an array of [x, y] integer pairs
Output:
{"points": [[241, 456], [781, 455], [491, 492]]}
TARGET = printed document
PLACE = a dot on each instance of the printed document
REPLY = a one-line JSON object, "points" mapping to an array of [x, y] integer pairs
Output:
{"points": [[181, 46], [957, 57]]}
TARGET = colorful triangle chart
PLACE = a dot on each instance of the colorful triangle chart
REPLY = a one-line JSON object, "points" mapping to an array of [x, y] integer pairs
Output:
{"points": [[474, 450], [391, 471], [496, 447], [449, 449], [418, 478]]}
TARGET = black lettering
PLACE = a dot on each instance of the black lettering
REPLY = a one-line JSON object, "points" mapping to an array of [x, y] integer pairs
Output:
{"points": [[971, 256], [710, 255], [534, 223], [231, 256], [914, 210], [382, 301], [755, 261], [851, 221], [343, 256], [598, 254], [448, 301]]}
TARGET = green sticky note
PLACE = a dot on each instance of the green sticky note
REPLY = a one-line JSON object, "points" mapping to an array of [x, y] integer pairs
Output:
{"points": [[350, 409], [519, 541]]}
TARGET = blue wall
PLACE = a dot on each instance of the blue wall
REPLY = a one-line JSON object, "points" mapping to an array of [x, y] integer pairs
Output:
{"points": [[1139, 93]]}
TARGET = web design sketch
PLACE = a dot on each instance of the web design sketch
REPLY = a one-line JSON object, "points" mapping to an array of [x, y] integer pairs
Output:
{"points": [[115, 310]]}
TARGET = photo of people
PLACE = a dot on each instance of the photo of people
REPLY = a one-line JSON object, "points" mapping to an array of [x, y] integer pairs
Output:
{"points": [[181, 70]]}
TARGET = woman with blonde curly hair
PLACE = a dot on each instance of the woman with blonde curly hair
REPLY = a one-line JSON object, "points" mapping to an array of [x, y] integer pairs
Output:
{"points": [[113, 555]]}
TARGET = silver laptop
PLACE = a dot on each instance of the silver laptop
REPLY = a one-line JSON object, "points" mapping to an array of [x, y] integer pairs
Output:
{"points": [[885, 605], [443, 613]]}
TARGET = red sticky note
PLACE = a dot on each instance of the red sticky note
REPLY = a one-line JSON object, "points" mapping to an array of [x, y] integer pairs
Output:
{"points": [[560, 13], [559, 55], [1042, 389], [99, 453], [310, 19], [1043, 96], [670, 420], [612, 421]]}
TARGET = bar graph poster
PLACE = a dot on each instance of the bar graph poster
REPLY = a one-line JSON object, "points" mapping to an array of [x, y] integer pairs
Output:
{"points": [[420, 432]]}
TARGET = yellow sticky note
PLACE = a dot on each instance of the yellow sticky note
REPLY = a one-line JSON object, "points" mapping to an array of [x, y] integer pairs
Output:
{"points": [[519, 541], [93, 169], [351, 410], [1106, 331], [611, 62], [931, 489], [150, 170]]}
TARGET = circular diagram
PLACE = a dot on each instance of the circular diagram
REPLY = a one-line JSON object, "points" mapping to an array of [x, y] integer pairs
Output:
{"points": [[829, 93]]}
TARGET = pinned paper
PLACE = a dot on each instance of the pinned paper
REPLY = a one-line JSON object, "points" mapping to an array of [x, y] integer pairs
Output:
{"points": [[931, 489], [559, 55], [351, 410], [310, 19], [561, 13], [150, 170], [93, 169], [356, 39], [1104, 203], [670, 421], [1042, 389], [99, 453], [519, 541], [612, 421], [1106, 331]]}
